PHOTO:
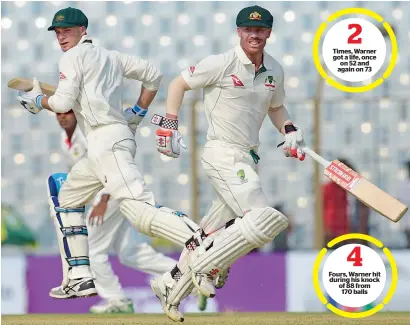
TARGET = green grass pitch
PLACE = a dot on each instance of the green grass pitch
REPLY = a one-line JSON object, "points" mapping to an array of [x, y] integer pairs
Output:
{"points": [[207, 319]]}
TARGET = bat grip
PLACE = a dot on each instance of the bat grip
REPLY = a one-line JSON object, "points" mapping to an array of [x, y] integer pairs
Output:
{"points": [[316, 157], [312, 154]]}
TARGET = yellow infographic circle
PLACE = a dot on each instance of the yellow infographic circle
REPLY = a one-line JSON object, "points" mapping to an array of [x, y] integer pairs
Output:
{"points": [[319, 34], [316, 271]]}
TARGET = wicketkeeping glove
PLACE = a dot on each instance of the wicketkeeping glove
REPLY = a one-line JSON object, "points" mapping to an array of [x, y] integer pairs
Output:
{"points": [[168, 139], [31, 100], [134, 116], [294, 142]]}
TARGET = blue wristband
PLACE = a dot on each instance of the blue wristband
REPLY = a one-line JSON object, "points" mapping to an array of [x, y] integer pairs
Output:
{"points": [[139, 111], [38, 101]]}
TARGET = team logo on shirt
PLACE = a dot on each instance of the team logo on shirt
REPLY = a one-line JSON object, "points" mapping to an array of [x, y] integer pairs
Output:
{"points": [[241, 175], [191, 70], [76, 151], [255, 16], [237, 82], [62, 76], [270, 83]]}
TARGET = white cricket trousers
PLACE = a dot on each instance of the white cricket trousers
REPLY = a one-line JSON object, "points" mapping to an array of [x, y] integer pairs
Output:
{"points": [[117, 235], [110, 164], [231, 171]]}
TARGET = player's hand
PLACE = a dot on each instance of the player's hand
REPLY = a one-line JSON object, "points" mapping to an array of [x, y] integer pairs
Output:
{"points": [[134, 116], [294, 143], [31, 100], [168, 139], [96, 217]]}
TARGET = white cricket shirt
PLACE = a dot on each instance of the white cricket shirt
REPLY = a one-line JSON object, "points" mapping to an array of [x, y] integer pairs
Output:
{"points": [[237, 102], [75, 149], [91, 80]]}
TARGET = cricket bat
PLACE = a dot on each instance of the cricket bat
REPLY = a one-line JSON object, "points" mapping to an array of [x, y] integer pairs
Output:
{"points": [[27, 85], [366, 192]]}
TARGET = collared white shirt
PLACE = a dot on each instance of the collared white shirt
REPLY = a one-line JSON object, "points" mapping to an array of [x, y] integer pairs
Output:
{"points": [[91, 80], [237, 102], [75, 149]]}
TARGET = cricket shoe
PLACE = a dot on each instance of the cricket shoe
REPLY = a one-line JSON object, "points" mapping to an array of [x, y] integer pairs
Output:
{"points": [[162, 292], [124, 306], [204, 283], [76, 288], [59, 293], [222, 278]]}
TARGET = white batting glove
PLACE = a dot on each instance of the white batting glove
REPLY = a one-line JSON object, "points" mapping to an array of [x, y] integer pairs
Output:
{"points": [[134, 116], [31, 100], [294, 142], [168, 139]]}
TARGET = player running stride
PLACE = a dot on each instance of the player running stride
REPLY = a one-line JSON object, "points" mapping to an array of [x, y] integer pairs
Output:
{"points": [[240, 87], [91, 80], [107, 230]]}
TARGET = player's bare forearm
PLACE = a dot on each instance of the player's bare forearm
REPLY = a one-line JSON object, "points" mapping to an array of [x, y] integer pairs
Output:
{"points": [[44, 103], [105, 198], [279, 117], [146, 97], [176, 92]]}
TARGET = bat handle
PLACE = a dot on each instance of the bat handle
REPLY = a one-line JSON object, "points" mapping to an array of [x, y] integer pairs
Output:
{"points": [[316, 157], [312, 154]]}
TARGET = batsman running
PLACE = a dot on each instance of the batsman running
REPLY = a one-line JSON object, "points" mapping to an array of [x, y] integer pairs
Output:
{"points": [[240, 88], [91, 80], [107, 230]]}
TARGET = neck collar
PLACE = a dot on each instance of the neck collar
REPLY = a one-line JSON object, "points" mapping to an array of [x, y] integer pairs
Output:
{"points": [[245, 60], [85, 39]]}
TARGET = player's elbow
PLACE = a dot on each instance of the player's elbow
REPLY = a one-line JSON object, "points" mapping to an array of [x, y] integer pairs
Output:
{"points": [[61, 104], [179, 83], [154, 83]]}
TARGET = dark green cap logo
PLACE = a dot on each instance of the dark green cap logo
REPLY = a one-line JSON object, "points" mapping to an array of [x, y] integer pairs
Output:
{"points": [[255, 16]]}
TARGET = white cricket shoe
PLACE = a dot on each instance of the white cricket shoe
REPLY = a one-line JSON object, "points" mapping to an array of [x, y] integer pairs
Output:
{"points": [[76, 288], [58, 293], [204, 283], [124, 306], [161, 291]]}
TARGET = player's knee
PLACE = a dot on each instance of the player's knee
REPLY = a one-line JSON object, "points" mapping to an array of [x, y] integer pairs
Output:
{"points": [[140, 214], [261, 225]]}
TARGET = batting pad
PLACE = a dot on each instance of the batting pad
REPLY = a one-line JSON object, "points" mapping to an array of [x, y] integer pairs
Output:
{"points": [[181, 289], [71, 232], [155, 222], [257, 228]]}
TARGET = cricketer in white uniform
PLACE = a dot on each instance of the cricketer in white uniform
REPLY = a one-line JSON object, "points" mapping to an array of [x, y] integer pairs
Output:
{"points": [[90, 84], [108, 231], [240, 88]]}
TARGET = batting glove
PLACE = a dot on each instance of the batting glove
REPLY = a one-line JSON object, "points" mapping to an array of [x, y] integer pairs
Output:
{"points": [[168, 139], [31, 100], [294, 143], [134, 116]]}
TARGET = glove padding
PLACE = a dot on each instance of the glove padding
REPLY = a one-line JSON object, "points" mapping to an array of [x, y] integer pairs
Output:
{"points": [[31, 100], [134, 116], [169, 142], [293, 145]]}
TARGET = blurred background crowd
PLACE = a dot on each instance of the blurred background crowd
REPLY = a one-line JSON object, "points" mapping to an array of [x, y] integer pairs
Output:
{"points": [[369, 130]]}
